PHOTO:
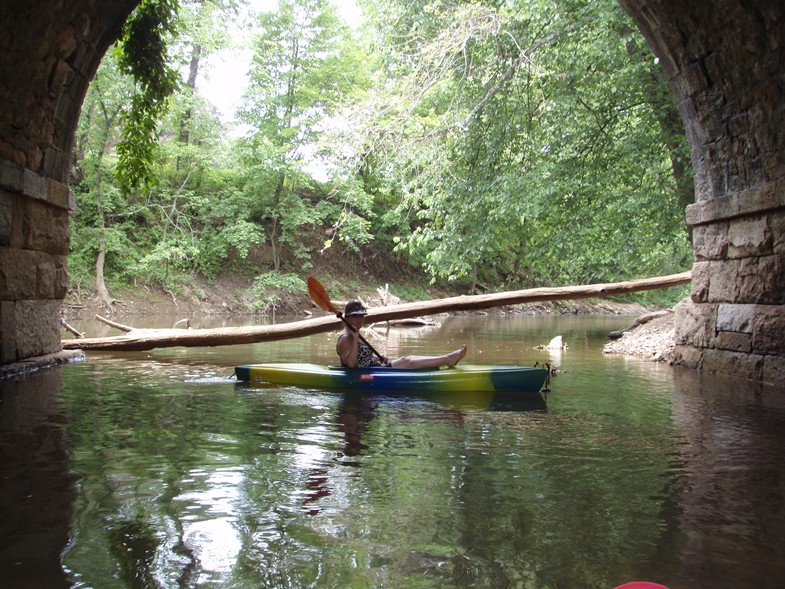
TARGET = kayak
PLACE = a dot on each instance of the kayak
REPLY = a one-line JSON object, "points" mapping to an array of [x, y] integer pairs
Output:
{"points": [[501, 379]]}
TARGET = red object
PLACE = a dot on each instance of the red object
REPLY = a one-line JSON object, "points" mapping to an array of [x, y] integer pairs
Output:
{"points": [[641, 585], [319, 295]]}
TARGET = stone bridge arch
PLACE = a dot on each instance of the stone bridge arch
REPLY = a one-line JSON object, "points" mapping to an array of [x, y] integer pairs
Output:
{"points": [[725, 62]]}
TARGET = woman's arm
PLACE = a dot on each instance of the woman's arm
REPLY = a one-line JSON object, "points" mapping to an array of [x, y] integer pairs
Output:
{"points": [[347, 348]]}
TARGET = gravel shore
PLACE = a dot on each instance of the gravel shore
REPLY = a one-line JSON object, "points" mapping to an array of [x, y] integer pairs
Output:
{"points": [[651, 337]]}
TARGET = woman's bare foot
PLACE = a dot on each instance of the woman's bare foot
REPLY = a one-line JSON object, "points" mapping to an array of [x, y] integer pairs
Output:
{"points": [[456, 356]]}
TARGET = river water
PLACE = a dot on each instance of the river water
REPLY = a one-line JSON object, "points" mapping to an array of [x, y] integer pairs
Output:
{"points": [[157, 470]]}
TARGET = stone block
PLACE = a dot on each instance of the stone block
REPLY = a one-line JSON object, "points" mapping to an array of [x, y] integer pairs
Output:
{"points": [[724, 282], [695, 76], [702, 184], [768, 330], [739, 124], [735, 342], [59, 195], [11, 176], [6, 220], [774, 371], [687, 357], [694, 324], [751, 281], [771, 278], [735, 364], [57, 163], [773, 165], [46, 228], [748, 280], [51, 277], [701, 275], [762, 198], [7, 332], [34, 185], [692, 214], [17, 274], [737, 318], [749, 237], [777, 228], [710, 242], [37, 326], [61, 279], [720, 208], [61, 74]]}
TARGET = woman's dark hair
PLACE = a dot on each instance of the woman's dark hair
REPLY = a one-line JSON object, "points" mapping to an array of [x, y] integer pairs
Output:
{"points": [[354, 309]]}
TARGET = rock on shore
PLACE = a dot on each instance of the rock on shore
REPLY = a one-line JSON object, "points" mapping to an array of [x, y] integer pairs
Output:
{"points": [[651, 337]]}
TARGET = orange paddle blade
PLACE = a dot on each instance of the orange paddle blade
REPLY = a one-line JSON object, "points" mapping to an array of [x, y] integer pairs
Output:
{"points": [[319, 295]]}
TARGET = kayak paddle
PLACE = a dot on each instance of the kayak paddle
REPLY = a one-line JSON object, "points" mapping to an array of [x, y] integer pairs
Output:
{"points": [[319, 296]]}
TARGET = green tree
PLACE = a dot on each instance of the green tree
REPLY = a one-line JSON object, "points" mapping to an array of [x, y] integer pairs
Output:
{"points": [[304, 66], [143, 54], [179, 223], [95, 231], [524, 141]]}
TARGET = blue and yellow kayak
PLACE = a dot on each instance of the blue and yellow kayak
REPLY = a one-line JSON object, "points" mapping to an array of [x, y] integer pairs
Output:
{"points": [[501, 379]]}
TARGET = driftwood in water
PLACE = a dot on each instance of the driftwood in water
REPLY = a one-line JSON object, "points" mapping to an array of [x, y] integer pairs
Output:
{"points": [[70, 329], [642, 320], [110, 323], [410, 322], [148, 339]]}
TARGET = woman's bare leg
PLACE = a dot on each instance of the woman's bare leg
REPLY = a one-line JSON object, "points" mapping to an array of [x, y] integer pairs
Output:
{"points": [[449, 360]]}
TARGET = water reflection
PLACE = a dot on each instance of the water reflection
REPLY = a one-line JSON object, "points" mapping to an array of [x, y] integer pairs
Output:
{"points": [[732, 467], [354, 413], [626, 470], [36, 484]]}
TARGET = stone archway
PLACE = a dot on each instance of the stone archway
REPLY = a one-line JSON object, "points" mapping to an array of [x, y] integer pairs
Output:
{"points": [[725, 62], [49, 52], [726, 65]]}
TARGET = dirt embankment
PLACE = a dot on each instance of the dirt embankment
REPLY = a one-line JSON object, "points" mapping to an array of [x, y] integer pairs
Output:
{"points": [[230, 298]]}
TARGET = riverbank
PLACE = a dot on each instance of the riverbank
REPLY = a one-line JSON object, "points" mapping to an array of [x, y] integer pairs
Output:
{"points": [[229, 297], [652, 340]]}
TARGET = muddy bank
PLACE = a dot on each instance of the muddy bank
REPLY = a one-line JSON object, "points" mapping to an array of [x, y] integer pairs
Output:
{"points": [[232, 296]]}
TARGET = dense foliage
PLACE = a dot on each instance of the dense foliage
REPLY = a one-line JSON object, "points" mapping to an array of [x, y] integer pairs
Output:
{"points": [[502, 144]]}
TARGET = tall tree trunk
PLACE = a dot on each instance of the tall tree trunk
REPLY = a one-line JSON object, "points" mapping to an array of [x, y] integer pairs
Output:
{"points": [[80, 146], [274, 232], [193, 72], [100, 284]]}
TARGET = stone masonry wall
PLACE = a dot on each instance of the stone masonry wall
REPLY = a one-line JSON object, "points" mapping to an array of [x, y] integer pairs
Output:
{"points": [[734, 322], [49, 52], [725, 62], [34, 235]]}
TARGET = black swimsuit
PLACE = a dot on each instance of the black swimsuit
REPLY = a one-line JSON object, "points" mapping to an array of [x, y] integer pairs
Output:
{"points": [[365, 357]]}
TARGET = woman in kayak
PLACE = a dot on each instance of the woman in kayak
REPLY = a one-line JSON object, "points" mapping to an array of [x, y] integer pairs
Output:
{"points": [[355, 353]]}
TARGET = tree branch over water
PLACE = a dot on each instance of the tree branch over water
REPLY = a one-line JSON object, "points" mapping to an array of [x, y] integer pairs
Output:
{"points": [[148, 339]]}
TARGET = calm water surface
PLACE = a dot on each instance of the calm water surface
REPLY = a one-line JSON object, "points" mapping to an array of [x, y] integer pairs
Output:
{"points": [[157, 470]]}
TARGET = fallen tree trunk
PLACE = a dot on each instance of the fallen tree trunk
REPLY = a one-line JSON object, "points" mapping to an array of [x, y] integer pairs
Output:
{"points": [[148, 339]]}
